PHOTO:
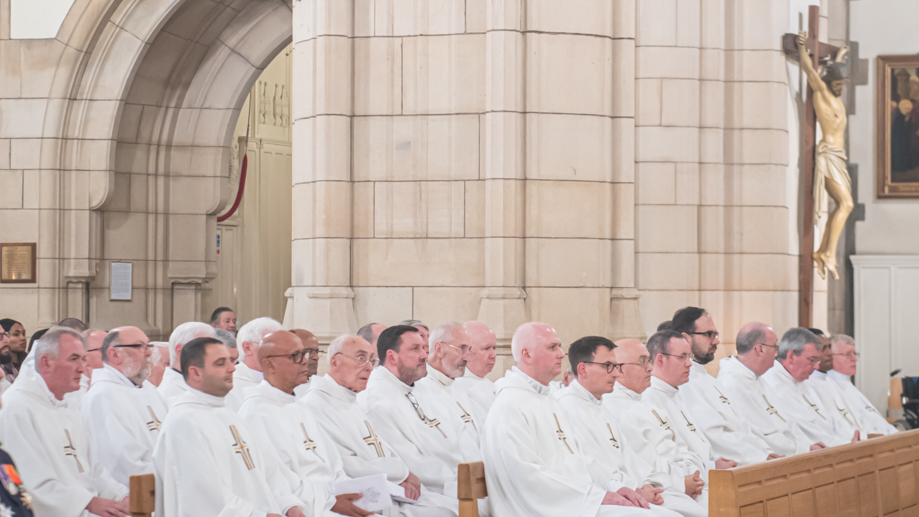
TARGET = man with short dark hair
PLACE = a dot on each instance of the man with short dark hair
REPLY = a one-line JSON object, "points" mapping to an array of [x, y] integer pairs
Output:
{"points": [[610, 459], [798, 356], [224, 318], [707, 402], [47, 438], [123, 413], [208, 461], [423, 438], [311, 346]]}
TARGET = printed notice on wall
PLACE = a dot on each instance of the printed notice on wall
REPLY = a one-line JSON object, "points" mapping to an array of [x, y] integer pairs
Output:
{"points": [[121, 281]]}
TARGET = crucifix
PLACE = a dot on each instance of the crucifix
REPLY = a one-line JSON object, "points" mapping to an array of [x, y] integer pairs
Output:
{"points": [[309, 444], [561, 434], [70, 450], [372, 440], [241, 448], [824, 165]]}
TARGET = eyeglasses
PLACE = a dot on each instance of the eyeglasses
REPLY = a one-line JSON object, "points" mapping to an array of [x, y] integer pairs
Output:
{"points": [[94, 350], [418, 410], [610, 367], [711, 334], [361, 360], [4, 335], [849, 355], [296, 357], [313, 351], [462, 349], [643, 362], [683, 357], [145, 346]]}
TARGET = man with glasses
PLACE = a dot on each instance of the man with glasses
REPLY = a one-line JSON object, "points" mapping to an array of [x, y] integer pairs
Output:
{"points": [[845, 361], [741, 375], [308, 460], [829, 393], [311, 346], [707, 402], [798, 357], [332, 399], [610, 459], [652, 432], [420, 434], [123, 413], [447, 362]]}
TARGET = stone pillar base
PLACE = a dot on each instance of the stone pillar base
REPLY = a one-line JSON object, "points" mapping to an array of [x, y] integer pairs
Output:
{"points": [[503, 309], [186, 303], [625, 315], [327, 312]]}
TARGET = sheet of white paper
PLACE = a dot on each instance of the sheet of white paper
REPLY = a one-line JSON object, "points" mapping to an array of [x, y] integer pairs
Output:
{"points": [[121, 281], [398, 493], [374, 489]]}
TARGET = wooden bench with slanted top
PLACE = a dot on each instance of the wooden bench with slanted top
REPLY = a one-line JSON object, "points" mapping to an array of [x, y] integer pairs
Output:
{"points": [[470, 488], [143, 499], [871, 478]]}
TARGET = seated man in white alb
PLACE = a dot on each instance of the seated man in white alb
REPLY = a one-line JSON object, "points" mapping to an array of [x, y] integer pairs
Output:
{"points": [[123, 412], [610, 460], [159, 362], [706, 400], [308, 459], [93, 339], [248, 372], [845, 362], [332, 398], [229, 340], [473, 387], [830, 394], [534, 466], [649, 428], [47, 439], [446, 363], [757, 346], [173, 385], [798, 355], [208, 461], [311, 346]]}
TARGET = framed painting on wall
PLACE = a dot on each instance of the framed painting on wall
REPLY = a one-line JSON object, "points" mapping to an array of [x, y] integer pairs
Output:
{"points": [[898, 126]]}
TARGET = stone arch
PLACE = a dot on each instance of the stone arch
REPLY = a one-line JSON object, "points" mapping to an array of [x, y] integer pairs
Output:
{"points": [[153, 93]]}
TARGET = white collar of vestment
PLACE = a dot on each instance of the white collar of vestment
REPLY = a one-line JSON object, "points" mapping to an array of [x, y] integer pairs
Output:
{"points": [[206, 399], [663, 386], [537, 386], [634, 395], [32, 382], [733, 364], [109, 373], [243, 370], [818, 375], [84, 381], [383, 373], [439, 376], [470, 375], [783, 375], [576, 388], [328, 384], [267, 390], [698, 368], [841, 378]]}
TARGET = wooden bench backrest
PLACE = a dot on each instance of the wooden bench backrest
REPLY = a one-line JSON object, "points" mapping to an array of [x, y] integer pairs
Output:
{"points": [[470, 488], [867, 479], [143, 495]]}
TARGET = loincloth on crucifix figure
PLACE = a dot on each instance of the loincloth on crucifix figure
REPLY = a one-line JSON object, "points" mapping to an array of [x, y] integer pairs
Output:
{"points": [[831, 176]]}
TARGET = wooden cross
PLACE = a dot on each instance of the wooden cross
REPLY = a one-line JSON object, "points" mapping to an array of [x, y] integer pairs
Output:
{"points": [[805, 258], [772, 410], [724, 400], [241, 448], [372, 440], [813, 406], [561, 434], [154, 424], [70, 450]]}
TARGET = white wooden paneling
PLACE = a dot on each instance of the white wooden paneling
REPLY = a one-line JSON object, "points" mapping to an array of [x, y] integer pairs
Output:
{"points": [[886, 312]]}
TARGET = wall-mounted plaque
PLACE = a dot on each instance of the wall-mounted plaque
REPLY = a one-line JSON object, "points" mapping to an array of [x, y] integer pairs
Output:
{"points": [[17, 263], [121, 281]]}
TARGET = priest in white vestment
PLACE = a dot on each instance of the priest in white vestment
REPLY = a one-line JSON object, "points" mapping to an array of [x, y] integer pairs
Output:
{"points": [[610, 459], [830, 394], [93, 339], [449, 345], [248, 372], [845, 363], [473, 386], [798, 356], [311, 345], [651, 431], [173, 385], [46, 437], [706, 400], [159, 361], [420, 435], [757, 346], [305, 455], [209, 462], [534, 465], [123, 413], [332, 398]]}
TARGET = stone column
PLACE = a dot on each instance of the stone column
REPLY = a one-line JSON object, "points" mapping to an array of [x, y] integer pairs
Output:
{"points": [[322, 206], [503, 300]]}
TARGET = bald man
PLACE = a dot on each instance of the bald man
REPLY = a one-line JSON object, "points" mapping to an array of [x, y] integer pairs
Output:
{"points": [[311, 345], [123, 411], [306, 457], [473, 386], [533, 464], [371, 333]]}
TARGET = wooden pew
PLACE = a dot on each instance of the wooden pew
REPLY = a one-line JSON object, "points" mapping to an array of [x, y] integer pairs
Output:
{"points": [[470, 488], [143, 500], [872, 478]]}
